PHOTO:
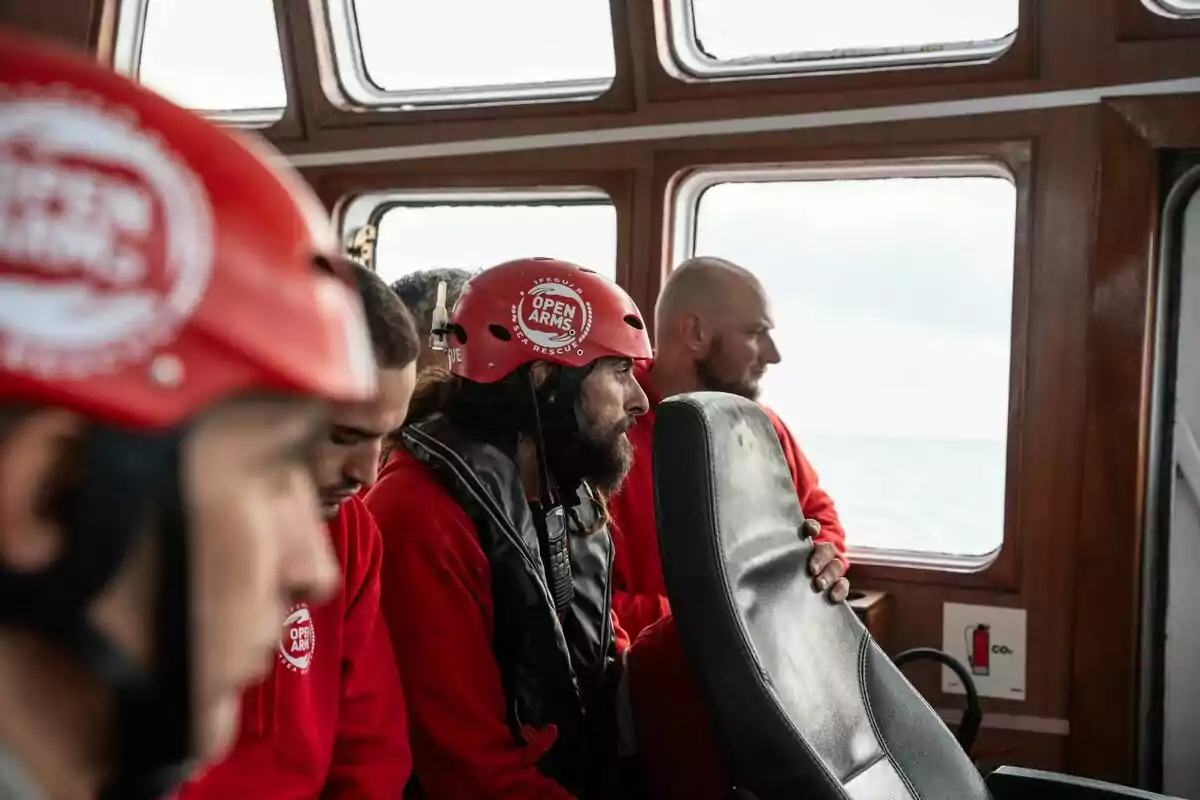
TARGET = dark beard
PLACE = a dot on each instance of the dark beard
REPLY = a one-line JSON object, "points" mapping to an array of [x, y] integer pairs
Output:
{"points": [[709, 380], [601, 462], [577, 454]]}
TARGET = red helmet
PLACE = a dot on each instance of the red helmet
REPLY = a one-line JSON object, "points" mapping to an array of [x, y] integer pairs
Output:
{"points": [[152, 264], [540, 309]]}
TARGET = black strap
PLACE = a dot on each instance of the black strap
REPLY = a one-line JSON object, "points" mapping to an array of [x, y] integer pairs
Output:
{"points": [[561, 420], [551, 523]]}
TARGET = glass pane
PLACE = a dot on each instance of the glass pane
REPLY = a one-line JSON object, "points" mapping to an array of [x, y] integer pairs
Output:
{"points": [[747, 29], [455, 44], [471, 237], [892, 300], [216, 55]]}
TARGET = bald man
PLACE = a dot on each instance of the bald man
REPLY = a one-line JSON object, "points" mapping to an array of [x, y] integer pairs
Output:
{"points": [[714, 324], [713, 328]]}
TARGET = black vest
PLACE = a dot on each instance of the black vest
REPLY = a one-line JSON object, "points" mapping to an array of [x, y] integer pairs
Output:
{"points": [[561, 673]]}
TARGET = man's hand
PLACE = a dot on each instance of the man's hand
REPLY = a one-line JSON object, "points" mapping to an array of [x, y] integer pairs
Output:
{"points": [[825, 566]]}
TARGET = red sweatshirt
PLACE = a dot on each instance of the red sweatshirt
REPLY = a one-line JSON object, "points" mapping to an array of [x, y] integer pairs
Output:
{"points": [[437, 599], [639, 593], [676, 743], [329, 721]]}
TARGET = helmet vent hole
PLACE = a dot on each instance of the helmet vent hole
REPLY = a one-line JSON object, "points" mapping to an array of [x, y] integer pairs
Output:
{"points": [[634, 322], [500, 332]]}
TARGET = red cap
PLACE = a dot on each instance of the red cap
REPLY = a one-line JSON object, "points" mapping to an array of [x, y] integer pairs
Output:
{"points": [[540, 309], [152, 264]]}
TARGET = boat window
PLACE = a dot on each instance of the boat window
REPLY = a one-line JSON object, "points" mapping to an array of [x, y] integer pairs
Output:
{"points": [[729, 38], [470, 52], [473, 229], [218, 57], [892, 299]]}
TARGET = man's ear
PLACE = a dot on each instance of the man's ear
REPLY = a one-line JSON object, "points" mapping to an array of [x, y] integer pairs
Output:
{"points": [[694, 332], [541, 371], [35, 456]]}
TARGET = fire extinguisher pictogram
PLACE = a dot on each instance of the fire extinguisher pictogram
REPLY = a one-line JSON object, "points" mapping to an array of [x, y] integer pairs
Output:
{"points": [[979, 648]]}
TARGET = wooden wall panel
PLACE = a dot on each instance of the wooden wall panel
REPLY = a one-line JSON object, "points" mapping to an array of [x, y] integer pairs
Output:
{"points": [[1135, 22], [75, 23], [998, 748], [1164, 122], [1107, 551]]}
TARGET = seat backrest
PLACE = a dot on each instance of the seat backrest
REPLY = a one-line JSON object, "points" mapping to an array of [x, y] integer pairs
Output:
{"points": [[804, 703]]}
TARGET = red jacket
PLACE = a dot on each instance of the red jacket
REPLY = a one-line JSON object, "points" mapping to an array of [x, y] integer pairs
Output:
{"points": [[437, 599], [639, 594], [676, 743], [329, 721]]}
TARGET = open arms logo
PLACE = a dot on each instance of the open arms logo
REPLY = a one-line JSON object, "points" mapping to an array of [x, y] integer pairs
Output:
{"points": [[553, 317]]}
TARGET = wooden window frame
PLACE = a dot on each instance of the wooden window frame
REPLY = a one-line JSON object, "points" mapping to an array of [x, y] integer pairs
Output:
{"points": [[666, 83], [369, 208], [1136, 22], [338, 188], [1000, 570], [312, 32]]}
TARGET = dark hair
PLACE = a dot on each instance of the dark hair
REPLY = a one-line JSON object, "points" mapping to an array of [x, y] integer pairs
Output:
{"points": [[418, 292], [393, 334], [488, 412], [496, 413]]}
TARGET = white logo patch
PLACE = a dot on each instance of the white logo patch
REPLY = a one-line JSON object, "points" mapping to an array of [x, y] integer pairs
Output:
{"points": [[299, 640], [106, 235], [553, 317]]}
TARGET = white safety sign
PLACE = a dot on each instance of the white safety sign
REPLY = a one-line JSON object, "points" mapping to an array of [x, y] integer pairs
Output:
{"points": [[990, 643]]}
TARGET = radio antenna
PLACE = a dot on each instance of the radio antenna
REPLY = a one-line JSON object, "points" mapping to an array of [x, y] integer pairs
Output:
{"points": [[439, 328]]}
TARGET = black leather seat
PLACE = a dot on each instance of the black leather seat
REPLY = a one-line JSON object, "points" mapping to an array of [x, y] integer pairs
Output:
{"points": [[804, 703]]}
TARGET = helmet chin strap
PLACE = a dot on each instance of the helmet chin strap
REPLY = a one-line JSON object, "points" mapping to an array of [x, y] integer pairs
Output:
{"points": [[563, 413], [131, 487], [563, 419], [553, 545]]}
